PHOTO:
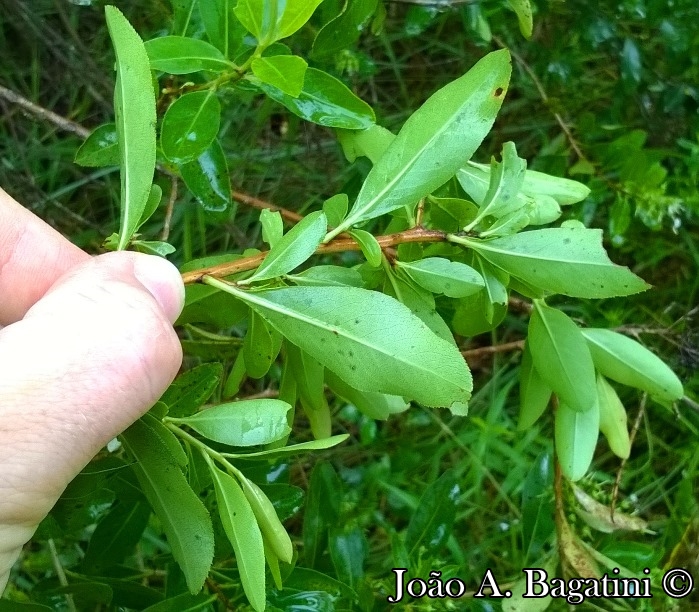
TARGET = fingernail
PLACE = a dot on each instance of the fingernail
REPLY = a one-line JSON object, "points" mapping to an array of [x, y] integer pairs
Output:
{"points": [[163, 281]]}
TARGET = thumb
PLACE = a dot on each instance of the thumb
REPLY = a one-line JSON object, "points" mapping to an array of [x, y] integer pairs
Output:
{"points": [[85, 362]]}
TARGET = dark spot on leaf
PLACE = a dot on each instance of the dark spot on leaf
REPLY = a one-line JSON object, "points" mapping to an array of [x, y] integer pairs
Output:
{"points": [[498, 92], [356, 321], [353, 367], [566, 241]]}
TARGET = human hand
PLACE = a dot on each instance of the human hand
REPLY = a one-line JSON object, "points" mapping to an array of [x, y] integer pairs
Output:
{"points": [[88, 347]]}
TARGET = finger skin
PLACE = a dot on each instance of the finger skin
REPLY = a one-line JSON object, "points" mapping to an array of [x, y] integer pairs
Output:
{"points": [[32, 257], [85, 362]]}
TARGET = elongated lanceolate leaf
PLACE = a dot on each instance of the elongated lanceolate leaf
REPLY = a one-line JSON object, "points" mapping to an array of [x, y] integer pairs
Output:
{"points": [[561, 357], [534, 393], [524, 16], [293, 248], [506, 179], [184, 55], [439, 275], [370, 340], [626, 361], [563, 260], [326, 101], [184, 518], [244, 423], [576, 436], [134, 106], [244, 533], [438, 139], [612, 419]]}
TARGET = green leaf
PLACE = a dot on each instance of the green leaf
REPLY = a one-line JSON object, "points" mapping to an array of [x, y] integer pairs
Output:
{"points": [[271, 20], [285, 72], [182, 515], [538, 525], [260, 348], [309, 375], [612, 419], [374, 405], [154, 197], [326, 276], [534, 393], [116, 535], [241, 527], [576, 436], [169, 440], [326, 101], [190, 125], [561, 357], [101, 148], [370, 340], [431, 525], [495, 287], [440, 275], [450, 214], [470, 317], [207, 178], [435, 141], [223, 29], [296, 14], [183, 603], [420, 302], [272, 226], [348, 551], [153, 247], [371, 142], [524, 16], [295, 247], [626, 361], [271, 527], [506, 179], [190, 390], [184, 55], [293, 449], [369, 245], [134, 106], [244, 423], [344, 30], [322, 510], [564, 191], [335, 209], [560, 260]]}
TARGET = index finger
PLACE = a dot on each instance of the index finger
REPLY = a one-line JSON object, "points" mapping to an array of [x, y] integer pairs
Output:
{"points": [[33, 256]]}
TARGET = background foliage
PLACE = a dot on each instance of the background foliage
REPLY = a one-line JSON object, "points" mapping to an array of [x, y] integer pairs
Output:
{"points": [[606, 95]]}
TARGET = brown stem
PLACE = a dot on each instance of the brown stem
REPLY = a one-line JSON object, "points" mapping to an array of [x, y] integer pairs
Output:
{"points": [[170, 209], [632, 437], [254, 202], [43, 113], [516, 345], [338, 245]]}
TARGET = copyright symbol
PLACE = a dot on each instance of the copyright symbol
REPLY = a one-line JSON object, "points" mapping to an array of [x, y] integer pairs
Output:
{"points": [[678, 583]]}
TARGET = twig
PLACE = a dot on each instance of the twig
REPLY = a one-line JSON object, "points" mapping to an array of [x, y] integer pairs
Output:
{"points": [[338, 245], [60, 574], [170, 209], [632, 437], [254, 202], [544, 97], [516, 345], [43, 113]]}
